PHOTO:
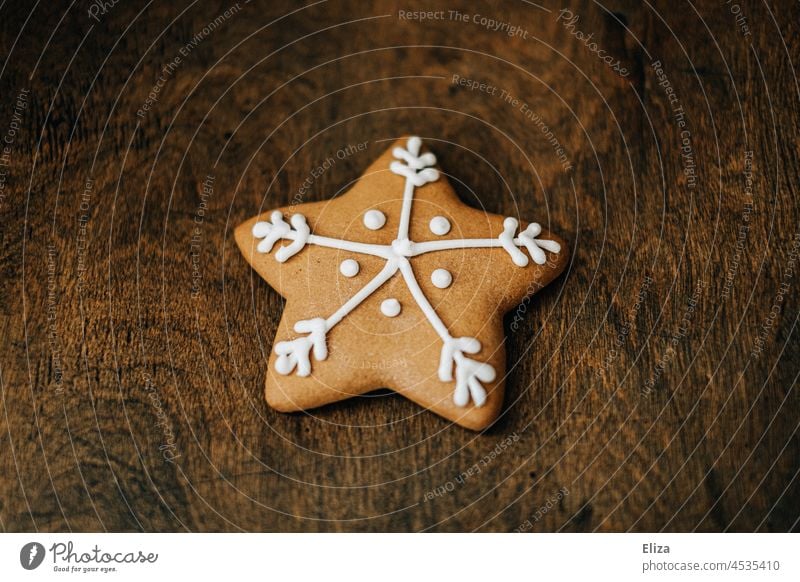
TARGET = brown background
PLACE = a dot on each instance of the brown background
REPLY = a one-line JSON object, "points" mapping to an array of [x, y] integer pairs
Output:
{"points": [[99, 367]]}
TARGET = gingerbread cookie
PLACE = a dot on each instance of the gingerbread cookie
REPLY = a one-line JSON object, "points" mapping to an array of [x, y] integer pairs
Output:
{"points": [[396, 284]]}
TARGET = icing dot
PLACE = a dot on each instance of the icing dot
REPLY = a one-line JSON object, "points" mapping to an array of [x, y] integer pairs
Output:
{"points": [[441, 278], [390, 307], [349, 268], [374, 219], [440, 225]]}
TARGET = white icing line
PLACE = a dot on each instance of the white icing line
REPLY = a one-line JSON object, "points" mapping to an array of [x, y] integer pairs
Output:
{"points": [[405, 213], [271, 232], [301, 234], [386, 273], [549, 245], [469, 376], [507, 241], [421, 248], [417, 171], [504, 241], [448, 354], [316, 329], [386, 252], [469, 373], [278, 229], [422, 301], [295, 353], [382, 251]]}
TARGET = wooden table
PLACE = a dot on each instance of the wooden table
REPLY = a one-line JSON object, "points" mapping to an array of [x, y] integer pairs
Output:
{"points": [[652, 387]]}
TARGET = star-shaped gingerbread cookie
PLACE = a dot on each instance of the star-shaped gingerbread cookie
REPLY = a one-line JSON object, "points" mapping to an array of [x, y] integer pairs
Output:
{"points": [[396, 284]]}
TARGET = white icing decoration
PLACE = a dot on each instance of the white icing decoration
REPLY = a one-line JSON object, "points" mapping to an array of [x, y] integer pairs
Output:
{"points": [[469, 373], [273, 231], [441, 278], [294, 354], [349, 268], [527, 238], [402, 247], [454, 365], [439, 225], [390, 307], [417, 172], [374, 219]]}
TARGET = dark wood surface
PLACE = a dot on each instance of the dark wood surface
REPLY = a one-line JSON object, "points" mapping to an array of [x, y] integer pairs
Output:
{"points": [[660, 392]]}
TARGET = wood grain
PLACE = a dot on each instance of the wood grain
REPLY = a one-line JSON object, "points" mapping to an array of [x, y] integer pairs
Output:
{"points": [[652, 387]]}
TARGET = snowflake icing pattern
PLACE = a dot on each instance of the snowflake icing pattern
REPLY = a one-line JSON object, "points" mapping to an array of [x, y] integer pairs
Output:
{"points": [[454, 363]]}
